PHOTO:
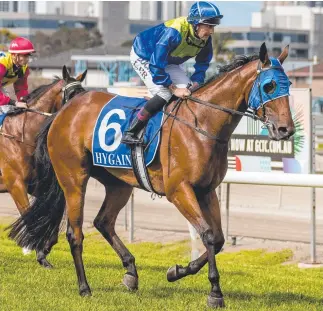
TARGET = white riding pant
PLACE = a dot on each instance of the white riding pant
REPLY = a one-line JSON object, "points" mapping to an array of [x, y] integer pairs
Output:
{"points": [[176, 72]]}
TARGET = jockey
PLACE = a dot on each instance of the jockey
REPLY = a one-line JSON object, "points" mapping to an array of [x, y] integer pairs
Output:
{"points": [[157, 56], [14, 70]]}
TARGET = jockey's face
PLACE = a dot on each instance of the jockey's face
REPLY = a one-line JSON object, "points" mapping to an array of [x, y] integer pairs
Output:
{"points": [[204, 31], [20, 59]]}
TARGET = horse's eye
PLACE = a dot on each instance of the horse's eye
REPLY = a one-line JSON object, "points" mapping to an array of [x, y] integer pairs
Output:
{"points": [[270, 87]]}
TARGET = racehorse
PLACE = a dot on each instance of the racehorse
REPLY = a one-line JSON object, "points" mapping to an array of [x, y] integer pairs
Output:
{"points": [[192, 162], [18, 140]]}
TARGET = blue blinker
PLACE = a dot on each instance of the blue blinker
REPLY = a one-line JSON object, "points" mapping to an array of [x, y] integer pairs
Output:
{"points": [[271, 83]]}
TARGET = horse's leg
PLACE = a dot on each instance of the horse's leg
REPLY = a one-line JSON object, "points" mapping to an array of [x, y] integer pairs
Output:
{"points": [[196, 210], [74, 191], [42, 253], [177, 272], [16, 186], [117, 195], [213, 241]]}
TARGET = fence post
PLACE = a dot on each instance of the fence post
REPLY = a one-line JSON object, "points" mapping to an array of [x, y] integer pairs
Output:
{"points": [[126, 216], [131, 212], [194, 249], [313, 194], [227, 204]]}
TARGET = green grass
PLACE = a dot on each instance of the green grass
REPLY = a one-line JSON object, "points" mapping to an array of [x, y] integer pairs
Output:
{"points": [[251, 280]]}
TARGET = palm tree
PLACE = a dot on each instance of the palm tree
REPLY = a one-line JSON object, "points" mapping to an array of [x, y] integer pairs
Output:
{"points": [[5, 38]]}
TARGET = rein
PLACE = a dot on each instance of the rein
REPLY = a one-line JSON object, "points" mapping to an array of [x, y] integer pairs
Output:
{"points": [[37, 111], [214, 106], [228, 110], [250, 114]]}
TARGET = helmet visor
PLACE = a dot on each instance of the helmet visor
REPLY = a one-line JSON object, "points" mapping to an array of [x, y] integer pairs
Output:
{"points": [[213, 21]]}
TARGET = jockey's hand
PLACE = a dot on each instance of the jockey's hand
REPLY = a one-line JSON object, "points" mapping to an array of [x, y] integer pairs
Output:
{"points": [[194, 86], [21, 105], [182, 92]]}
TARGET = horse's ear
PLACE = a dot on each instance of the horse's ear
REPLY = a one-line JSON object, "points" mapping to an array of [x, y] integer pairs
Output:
{"points": [[82, 76], [66, 75], [283, 54], [263, 54]]}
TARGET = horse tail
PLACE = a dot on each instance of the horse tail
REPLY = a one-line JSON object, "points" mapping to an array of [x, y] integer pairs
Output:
{"points": [[42, 220]]}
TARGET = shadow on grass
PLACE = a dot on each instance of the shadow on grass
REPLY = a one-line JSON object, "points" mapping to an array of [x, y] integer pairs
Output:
{"points": [[270, 299], [273, 298]]}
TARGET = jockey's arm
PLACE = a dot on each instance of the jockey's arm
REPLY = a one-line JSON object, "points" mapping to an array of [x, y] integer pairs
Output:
{"points": [[4, 99], [21, 86], [158, 60], [203, 59]]}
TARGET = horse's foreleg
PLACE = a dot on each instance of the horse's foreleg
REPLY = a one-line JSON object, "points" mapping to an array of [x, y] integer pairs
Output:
{"points": [[41, 254], [16, 186], [195, 209], [213, 241], [117, 195], [177, 272]]}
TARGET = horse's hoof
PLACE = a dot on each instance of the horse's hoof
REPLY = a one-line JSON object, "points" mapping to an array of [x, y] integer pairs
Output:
{"points": [[130, 281], [85, 292], [44, 263], [214, 302], [173, 273]]}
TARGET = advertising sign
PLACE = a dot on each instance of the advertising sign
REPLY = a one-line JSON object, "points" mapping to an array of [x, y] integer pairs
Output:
{"points": [[251, 150]]}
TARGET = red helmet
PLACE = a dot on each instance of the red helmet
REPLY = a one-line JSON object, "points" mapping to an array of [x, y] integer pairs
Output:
{"points": [[21, 45]]}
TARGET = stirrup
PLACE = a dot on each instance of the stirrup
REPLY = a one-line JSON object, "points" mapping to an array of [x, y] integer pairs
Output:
{"points": [[129, 139]]}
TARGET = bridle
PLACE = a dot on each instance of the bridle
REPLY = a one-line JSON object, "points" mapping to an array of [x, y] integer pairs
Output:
{"points": [[70, 88], [250, 113]]}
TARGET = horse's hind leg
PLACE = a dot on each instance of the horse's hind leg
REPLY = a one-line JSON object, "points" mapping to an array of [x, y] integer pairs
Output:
{"points": [[117, 195], [74, 191]]}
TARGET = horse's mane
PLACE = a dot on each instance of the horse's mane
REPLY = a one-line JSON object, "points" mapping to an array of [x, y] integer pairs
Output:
{"points": [[41, 89], [238, 61]]}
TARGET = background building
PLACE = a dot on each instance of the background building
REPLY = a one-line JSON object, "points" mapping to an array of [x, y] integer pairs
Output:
{"points": [[294, 15], [247, 40]]}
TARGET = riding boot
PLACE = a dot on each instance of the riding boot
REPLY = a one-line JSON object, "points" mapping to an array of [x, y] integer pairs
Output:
{"points": [[152, 106], [130, 135]]}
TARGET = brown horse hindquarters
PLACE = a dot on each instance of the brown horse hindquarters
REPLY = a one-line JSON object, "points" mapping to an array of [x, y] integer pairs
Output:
{"points": [[74, 157]]}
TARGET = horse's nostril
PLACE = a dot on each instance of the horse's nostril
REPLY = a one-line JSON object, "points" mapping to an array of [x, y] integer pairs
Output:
{"points": [[283, 131]]}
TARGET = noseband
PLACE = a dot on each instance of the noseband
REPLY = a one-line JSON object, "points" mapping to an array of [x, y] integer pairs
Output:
{"points": [[70, 88]]}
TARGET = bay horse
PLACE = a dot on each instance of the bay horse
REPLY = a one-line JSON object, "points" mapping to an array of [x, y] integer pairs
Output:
{"points": [[192, 162], [18, 141]]}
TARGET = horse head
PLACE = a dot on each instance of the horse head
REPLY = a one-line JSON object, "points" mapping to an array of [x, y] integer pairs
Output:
{"points": [[268, 97], [73, 86], [51, 97]]}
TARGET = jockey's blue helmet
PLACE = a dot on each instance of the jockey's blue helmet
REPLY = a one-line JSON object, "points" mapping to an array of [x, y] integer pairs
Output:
{"points": [[203, 12]]}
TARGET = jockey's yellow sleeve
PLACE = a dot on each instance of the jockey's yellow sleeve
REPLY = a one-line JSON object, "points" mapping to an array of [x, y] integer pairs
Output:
{"points": [[11, 74], [173, 42]]}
